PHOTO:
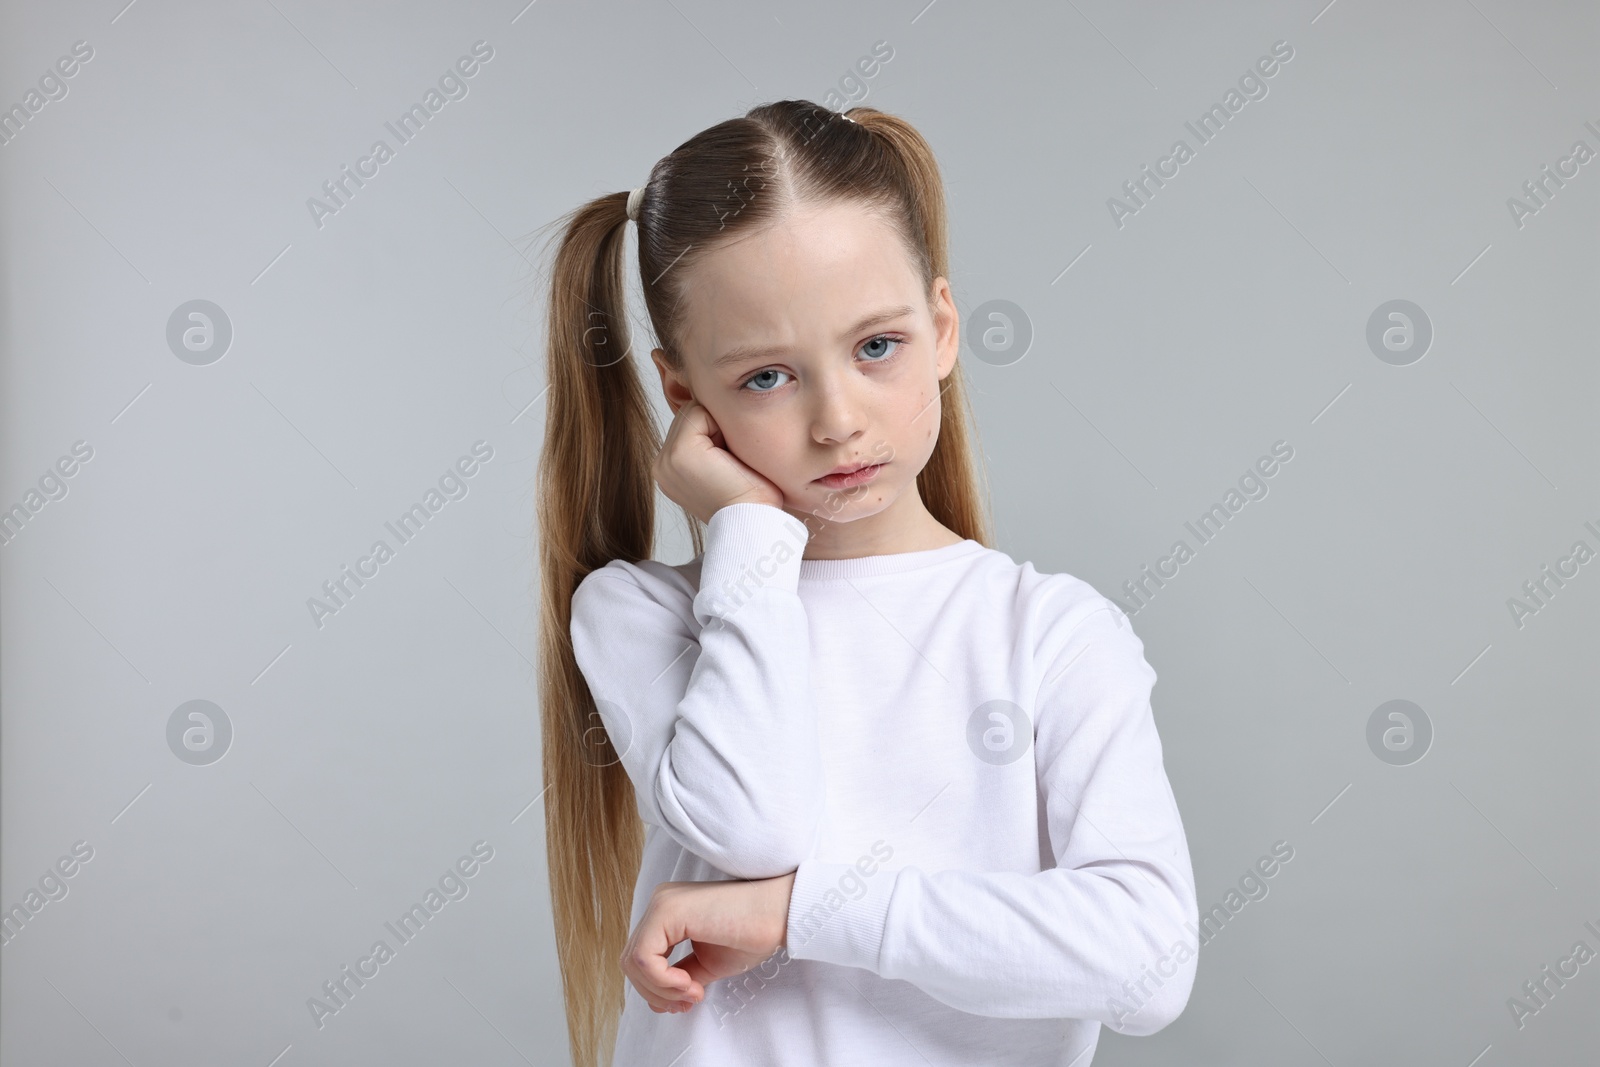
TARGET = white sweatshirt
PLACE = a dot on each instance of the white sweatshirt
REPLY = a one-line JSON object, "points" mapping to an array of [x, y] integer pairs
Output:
{"points": [[955, 753]]}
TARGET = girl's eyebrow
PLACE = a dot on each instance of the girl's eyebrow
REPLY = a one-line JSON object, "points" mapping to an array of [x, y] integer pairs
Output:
{"points": [[750, 352]]}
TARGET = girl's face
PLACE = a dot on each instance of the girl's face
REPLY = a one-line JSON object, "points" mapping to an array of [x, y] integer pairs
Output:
{"points": [[813, 346]]}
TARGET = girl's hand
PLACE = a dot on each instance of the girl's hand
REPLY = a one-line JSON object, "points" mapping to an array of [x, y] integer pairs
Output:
{"points": [[733, 927], [697, 471]]}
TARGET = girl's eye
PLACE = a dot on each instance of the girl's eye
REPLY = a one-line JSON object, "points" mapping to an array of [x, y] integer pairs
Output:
{"points": [[884, 338], [764, 384], [758, 377]]}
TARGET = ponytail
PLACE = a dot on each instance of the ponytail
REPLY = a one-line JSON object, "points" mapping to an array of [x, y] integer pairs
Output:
{"points": [[596, 503]]}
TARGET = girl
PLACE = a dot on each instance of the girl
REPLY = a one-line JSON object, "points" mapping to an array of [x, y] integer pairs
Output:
{"points": [[898, 799]]}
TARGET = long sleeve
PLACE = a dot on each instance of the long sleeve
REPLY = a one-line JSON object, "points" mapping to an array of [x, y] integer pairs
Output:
{"points": [[713, 717], [1102, 934]]}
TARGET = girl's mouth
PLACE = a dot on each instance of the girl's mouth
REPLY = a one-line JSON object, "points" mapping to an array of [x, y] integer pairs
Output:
{"points": [[845, 481]]}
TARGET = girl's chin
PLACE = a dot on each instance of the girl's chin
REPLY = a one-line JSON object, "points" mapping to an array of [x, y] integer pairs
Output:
{"points": [[841, 505]]}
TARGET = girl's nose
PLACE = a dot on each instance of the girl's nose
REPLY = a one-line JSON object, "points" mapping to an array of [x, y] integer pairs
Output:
{"points": [[839, 414]]}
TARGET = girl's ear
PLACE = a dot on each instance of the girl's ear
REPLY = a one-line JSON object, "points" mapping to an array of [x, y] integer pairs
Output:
{"points": [[673, 385], [946, 327]]}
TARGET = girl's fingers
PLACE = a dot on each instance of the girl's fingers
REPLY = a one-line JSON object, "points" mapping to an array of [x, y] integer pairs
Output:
{"points": [[659, 997], [663, 1006], [667, 981], [699, 977], [712, 429], [660, 983], [666, 999]]}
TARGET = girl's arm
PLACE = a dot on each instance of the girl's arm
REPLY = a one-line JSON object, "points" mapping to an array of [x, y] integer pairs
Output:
{"points": [[713, 717], [1105, 934]]}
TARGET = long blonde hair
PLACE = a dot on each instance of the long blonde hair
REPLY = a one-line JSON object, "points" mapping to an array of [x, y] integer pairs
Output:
{"points": [[596, 492]]}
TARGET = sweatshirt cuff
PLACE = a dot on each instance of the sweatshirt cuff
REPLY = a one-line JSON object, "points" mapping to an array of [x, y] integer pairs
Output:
{"points": [[837, 913], [749, 547]]}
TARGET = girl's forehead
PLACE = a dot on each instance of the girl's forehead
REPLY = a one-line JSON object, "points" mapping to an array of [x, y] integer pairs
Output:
{"points": [[799, 261], [763, 307]]}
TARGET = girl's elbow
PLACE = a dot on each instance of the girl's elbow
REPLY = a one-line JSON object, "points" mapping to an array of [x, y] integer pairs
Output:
{"points": [[1143, 1018], [753, 866], [1162, 1009], [1144, 1003], [779, 849]]}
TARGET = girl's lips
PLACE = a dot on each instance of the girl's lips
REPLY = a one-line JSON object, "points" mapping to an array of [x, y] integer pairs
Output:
{"points": [[845, 481]]}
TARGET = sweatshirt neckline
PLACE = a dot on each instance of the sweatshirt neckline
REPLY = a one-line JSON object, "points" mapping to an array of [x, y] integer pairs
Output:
{"points": [[892, 563]]}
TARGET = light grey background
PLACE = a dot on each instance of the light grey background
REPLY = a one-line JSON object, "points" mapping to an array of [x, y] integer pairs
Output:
{"points": [[1168, 354]]}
